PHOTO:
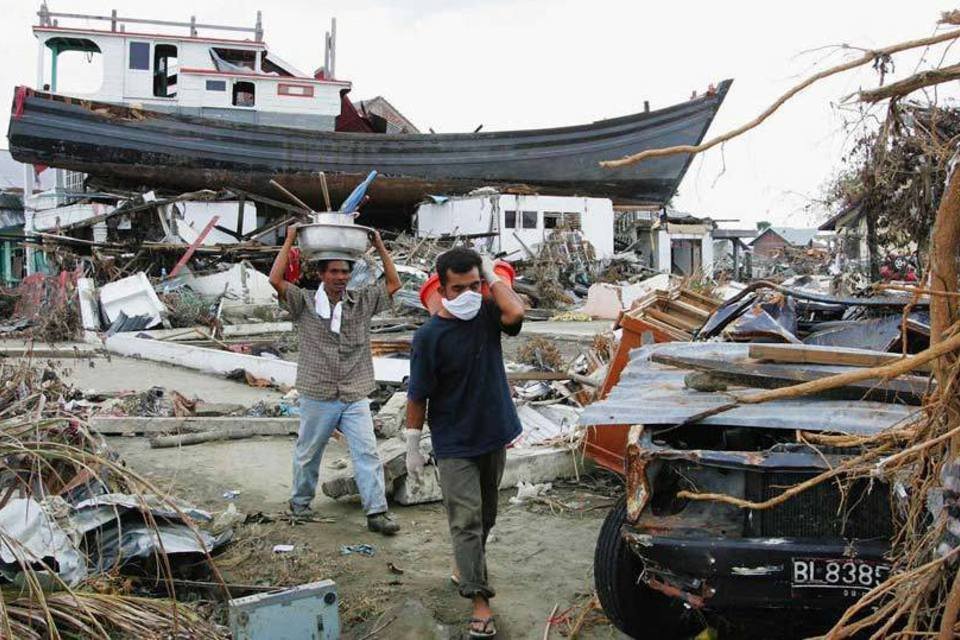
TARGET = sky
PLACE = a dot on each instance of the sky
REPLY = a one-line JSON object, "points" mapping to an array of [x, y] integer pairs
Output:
{"points": [[452, 65]]}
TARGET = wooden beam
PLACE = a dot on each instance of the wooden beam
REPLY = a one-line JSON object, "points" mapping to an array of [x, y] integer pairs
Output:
{"points": [[797, 354], [750, 373], [143, 206], [673, 320], [242, 208], [229, 232], [132, 425], [41, 352], [289, 208], [193, 247], [264, 230], [526, 376]]}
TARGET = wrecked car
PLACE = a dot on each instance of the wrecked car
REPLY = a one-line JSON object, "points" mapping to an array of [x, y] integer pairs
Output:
{"points": [[667, 565]]}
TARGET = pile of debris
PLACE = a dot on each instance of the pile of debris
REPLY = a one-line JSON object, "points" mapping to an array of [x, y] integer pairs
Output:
{"points": [[84, 538], [43, 308]]}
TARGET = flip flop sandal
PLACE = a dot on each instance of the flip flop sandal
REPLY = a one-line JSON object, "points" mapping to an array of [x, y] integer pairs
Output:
{"points": [[488, 630]]}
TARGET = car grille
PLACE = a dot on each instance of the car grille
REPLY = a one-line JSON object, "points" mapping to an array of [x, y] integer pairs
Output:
{"points": [[820, 511]]}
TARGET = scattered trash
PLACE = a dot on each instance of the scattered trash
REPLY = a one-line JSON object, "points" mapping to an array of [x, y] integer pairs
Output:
{"points": [[228, 519], [283, 548], [527, 491], [360, 549]]}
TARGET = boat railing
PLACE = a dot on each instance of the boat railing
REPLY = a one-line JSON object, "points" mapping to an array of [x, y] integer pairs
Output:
{"points": [[50, 19]]}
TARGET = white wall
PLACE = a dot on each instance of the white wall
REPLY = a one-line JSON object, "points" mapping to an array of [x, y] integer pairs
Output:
{"points": [[47, 219], [470, 215], [112, 59], [197, 214], [122, 84]]}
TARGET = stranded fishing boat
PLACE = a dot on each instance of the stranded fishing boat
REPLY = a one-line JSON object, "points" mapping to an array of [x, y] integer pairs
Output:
{"points": [[188, 112]]}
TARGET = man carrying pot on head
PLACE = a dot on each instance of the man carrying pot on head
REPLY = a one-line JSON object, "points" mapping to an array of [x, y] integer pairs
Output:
{"points": [[335, 375], [457, 378]]}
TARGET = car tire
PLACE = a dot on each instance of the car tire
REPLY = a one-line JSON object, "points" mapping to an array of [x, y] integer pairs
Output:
{"points": [[635, 609]]}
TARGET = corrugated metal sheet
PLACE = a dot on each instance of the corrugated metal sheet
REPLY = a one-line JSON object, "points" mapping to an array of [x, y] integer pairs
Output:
{"points": [[654, 394]]}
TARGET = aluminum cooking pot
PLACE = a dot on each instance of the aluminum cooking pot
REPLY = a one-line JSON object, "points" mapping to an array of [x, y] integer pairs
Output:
{"points": [[327, 241]]}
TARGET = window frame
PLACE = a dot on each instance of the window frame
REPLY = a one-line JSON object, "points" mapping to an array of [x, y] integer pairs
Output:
{"points": [[130, 57], [507, 222], [166, 72], [234, 91], [525, 215]]}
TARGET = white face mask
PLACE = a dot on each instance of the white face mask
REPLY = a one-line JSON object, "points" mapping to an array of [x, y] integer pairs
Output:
{"points": [[465, 306]]}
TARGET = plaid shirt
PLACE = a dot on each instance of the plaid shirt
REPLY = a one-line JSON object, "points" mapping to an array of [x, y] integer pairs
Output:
{"points": [[336, 366]]}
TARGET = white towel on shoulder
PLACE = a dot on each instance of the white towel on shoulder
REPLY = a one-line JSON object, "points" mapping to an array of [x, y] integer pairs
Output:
{"points": [[322, 305]]}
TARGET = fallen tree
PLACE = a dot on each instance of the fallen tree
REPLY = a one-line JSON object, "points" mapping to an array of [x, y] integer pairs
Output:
{"points": [[921, 457]]}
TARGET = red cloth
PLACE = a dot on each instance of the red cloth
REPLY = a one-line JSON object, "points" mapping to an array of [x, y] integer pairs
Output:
{"points": [[292, 274]]}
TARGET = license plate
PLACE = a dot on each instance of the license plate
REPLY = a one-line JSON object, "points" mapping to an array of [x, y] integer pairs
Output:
{"points": [[838, 573]]}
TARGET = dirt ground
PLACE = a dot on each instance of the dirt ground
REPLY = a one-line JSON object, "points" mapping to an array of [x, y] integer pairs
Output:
{"points": [[538, 558], [540, 554]]}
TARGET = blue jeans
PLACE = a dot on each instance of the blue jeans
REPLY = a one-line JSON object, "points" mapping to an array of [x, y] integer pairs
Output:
{"points": [[318, 419]]}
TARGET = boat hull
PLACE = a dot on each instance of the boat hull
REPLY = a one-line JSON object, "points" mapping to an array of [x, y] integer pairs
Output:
{"points": [[132, 147]]}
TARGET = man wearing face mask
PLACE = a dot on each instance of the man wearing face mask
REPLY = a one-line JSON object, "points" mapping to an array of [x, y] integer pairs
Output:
{"points": [[457, 379]]}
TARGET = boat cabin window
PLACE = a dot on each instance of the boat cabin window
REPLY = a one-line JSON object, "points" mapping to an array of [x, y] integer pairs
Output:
{"points": [[551, 219], [216, 85], [165, 71], [509, 219], [76, 66], [529, 219], [234, 60], [244, 94], [139, 56]]}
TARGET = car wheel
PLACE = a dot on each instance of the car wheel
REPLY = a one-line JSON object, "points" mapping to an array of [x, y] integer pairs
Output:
{"points": [[635, 609]]}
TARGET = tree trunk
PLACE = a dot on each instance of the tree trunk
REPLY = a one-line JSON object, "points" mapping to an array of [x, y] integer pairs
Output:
{"points": [[944, 250]]}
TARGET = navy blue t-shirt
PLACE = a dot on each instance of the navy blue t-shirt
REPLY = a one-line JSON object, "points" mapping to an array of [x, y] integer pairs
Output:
{"points": [[457, 367]]}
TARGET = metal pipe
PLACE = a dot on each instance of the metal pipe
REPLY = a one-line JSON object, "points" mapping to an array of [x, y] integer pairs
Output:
{"points": [[167, 23]]}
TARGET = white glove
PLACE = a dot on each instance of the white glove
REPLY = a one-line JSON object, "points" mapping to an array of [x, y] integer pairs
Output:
{"points": [[486, 270], [415, 458]]}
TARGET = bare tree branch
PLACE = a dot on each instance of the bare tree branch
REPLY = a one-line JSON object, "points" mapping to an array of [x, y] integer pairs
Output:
{"points": [[867, 58], [909, 85]]}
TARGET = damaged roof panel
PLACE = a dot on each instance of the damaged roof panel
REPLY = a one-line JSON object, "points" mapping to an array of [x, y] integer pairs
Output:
{"points": [[649, 393]]}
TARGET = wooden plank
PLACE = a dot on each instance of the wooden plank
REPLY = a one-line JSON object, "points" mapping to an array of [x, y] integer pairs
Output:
{"points": [[526, 376], [132, 425], [193, 246], [749, 373], [267, 228], [40, 352], [694, 298], [289, 208], [798, 354], [668, 333], [242, 203], [672, 320], [691, 309]]}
